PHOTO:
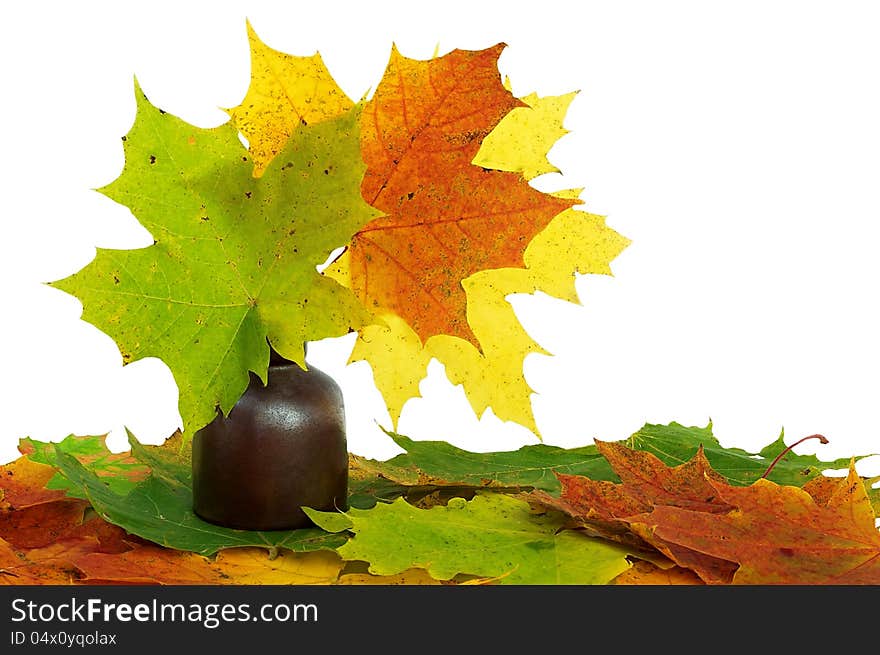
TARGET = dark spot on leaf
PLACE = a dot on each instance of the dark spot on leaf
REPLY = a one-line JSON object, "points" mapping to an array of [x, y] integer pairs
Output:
{"points": [[788, 552], [152, 159], [244, 158], [125, 138], [302, 121], [248, 194], [205, 218], [161, 111], [326, 171], [115, 279], [287, 165], [410, 195]]}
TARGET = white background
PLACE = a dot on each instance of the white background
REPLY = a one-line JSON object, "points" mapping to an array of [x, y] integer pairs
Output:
{"points": [[736, 144]]}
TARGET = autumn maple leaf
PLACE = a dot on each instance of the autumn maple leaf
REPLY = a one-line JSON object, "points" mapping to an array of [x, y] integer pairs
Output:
{"points": [[492, 535], [764, 533], [491, 374], [234, 259], [286, 92], [445, 218], [779, 534], [606, 508]]}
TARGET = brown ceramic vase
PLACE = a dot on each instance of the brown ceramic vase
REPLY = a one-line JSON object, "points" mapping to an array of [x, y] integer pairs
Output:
{"points": [[282, 447]]}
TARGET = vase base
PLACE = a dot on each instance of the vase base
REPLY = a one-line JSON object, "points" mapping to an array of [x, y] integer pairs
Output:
{"points": [[238, 523]]}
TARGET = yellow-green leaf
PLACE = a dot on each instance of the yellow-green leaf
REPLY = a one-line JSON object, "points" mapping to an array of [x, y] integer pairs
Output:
{"points": [[493, 535], [286, 91], [234, 258]]}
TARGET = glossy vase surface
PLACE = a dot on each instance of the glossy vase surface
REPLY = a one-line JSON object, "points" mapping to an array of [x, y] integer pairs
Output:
{"points": [[281, 447]]}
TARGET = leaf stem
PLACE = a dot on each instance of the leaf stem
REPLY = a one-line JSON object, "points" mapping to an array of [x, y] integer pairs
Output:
{"points": [[821, 438]]}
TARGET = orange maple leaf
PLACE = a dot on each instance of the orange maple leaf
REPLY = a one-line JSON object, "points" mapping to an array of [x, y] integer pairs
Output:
{"points": [[605, 508], [148, 564], [764, 533], [18, 569], [41, 525], [646, 573], [445, 218], [780, 534], [23, 484]]}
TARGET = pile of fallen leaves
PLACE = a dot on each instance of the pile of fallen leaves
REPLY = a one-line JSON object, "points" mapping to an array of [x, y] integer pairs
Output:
{"points": [[669, 505]]}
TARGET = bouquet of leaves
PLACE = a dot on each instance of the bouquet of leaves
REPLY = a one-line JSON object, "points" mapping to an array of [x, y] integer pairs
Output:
{"points": [[423, 189]]}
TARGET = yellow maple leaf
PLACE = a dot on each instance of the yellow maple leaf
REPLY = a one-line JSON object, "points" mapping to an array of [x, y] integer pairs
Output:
{"points": [[573, 242], [493, 378], [285, 91], [391, 347], [404, 361], [521, 141], [254, 566], [408, 577]]}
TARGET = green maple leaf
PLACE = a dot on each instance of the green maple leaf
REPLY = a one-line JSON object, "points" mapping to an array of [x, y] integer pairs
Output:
{"points": [[234, 259], [427, 466], [159, 508], [531, 467], [493, 535], [119, 471], [675, 444]]}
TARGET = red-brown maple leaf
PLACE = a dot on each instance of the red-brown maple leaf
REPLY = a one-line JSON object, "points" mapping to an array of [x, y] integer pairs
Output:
{"points": [[780, 534], [764, 533], [445, 218], [605, 508]]}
